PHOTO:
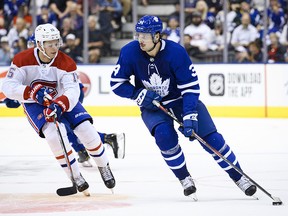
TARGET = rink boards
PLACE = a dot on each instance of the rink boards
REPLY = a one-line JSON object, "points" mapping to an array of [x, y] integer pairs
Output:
{"points": [[228, 90]]}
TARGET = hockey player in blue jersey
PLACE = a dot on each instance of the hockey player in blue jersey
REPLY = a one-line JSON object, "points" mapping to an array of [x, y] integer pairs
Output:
{"points": [[163, 71]]}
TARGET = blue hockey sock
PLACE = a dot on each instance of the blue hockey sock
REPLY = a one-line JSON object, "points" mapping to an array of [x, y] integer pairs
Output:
{"points": [[167, 140], [102, 135], [217, 141]]}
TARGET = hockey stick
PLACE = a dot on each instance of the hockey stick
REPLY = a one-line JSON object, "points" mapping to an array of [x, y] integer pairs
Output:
{"points": [[276, 200], [67, 190]]}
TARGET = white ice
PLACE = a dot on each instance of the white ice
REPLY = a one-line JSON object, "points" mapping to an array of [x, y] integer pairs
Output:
{"points": [[29, 174]]}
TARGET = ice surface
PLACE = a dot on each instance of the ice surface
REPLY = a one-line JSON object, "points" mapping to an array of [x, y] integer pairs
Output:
{"points": [[30, 176]]}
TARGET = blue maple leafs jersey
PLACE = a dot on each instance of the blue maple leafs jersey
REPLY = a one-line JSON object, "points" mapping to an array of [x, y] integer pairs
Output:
{"points": [[170, 73]]}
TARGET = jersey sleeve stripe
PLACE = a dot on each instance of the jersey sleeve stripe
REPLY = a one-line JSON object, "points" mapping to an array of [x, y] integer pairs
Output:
{"points": [[116, 86], [119, 80], [190, 91], [188, 85]]}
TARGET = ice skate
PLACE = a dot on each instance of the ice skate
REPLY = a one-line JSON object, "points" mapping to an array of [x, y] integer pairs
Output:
{"points": [[246, 186], [107, 176], [82, 185], [117, 142], [84, 158], [189, 187]]}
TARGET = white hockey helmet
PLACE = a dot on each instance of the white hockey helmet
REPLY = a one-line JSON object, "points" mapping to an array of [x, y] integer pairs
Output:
{"points": [[46, 32]]}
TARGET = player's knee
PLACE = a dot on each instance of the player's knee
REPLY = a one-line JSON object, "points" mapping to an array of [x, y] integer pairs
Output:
{"points": [[216, 140], [87, 133], [50, 132], [165, 136]]}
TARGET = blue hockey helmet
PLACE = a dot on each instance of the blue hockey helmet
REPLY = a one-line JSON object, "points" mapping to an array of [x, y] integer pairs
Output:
{"points": [[31, 41], [149, 24]]}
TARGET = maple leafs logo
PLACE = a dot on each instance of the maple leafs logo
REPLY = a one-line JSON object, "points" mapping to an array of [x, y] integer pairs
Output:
{"points": [[155, 83]]}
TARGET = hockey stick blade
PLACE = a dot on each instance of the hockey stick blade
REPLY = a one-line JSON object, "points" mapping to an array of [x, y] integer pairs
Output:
{"points": [[67, 191]]}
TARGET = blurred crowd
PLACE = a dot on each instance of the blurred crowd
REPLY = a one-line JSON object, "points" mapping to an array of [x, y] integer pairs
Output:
{"points": [[203, 32]]}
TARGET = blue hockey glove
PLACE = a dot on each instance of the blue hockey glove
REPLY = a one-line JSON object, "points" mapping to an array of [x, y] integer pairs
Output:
{"points": [[11, 103], [144, 98], [190, 124], [40, 94]]}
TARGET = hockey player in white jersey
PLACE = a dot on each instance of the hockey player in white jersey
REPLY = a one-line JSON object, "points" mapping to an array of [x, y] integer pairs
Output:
{"points": [[45, 73]]}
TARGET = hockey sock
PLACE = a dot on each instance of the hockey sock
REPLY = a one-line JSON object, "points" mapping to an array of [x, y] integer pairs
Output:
{"points": [[50, 132], [167, 140], [217, 141], [92, 142]]}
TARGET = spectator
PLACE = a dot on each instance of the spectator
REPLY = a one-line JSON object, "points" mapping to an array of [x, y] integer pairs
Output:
{"points": [[235, 12], [39, 4], [207, 16], [19, 30], [214, 5], [46, 16], [127, 5], [5, 55], [276, 16], [242, 36], [276, 51], [76, 19], [254, 13], [60, 7], [24, 13], [110, 16], [20, 45], [198, 35], [217, 37], [172, 31], [11, 8], [67, 29], [75, 52], [96, 40], [233, 15], [3, 30], [284, 36], [254, 53], [93, 7]]}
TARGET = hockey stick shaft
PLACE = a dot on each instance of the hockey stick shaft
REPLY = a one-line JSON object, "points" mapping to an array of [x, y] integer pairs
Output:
{"points": [[73, 189], [276, 199]]}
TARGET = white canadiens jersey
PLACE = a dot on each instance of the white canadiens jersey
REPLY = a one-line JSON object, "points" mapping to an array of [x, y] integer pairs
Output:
{"points": [[26, 70]]}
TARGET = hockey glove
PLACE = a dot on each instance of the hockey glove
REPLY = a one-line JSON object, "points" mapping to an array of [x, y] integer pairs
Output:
{"points": [[190, 124], [40, 94], [144, 98], [56, 108]]}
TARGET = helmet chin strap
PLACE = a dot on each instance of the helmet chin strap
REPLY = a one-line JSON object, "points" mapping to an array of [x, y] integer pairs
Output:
{"points": [[154, 44], [42, 50]]}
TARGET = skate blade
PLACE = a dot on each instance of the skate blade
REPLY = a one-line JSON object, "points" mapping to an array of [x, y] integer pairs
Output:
{"points": [[112, 191], [86, 164], [193, 197], [86, 192]]}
